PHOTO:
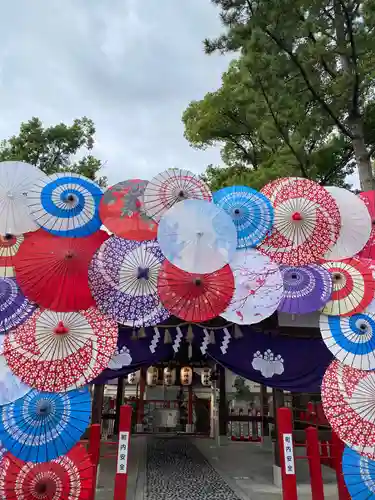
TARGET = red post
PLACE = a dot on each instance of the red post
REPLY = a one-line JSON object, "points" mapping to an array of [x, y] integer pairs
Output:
{"points": [[94, 452], [337, 449], [285, 438], [313, 456], [121, 477]]}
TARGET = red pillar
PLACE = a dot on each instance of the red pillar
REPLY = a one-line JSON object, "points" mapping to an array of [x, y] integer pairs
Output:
{"points": [[121, 477], [141, 403], [337, 447], [285, 435], [313, 456], [94, 452]]}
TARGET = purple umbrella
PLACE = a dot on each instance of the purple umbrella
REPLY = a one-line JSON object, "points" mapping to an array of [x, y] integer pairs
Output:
{"points": [[306, 289], [123, 280], [15, 308]]}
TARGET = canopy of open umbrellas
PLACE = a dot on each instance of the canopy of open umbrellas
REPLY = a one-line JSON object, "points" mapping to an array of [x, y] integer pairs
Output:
{"points": [[172, 248]]}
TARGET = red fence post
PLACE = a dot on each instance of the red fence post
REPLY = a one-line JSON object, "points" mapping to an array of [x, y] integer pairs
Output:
{"points": [[285, 437], [121, 478], [337, 448], [315, 468], [94, 452]]}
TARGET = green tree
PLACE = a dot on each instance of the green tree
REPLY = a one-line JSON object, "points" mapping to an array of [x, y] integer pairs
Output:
{"points": [[53, 149], [310, 65]]}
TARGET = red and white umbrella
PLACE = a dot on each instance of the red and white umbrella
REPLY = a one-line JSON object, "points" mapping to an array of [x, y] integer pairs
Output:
{"points": [[9, 246], [349, 405], [53, 271], [56, 352], [307, 222], [195, 297], [171, 187], [69, 477], [353, 287], [368, 198]]}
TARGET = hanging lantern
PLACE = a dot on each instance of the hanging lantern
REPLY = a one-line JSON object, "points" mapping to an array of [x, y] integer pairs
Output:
{"points": [[152, 376], [186, 375], [133, 378], [206, 376], [169, 376]]}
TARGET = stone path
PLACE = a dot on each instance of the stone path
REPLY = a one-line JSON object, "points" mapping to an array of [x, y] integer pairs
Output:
{"points": [[177, 470]]}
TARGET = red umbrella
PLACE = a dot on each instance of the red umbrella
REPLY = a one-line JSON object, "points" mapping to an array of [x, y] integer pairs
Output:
{"points": [[53, 271], [195, 297], [9, 246], [69, 477], [368, 252]]}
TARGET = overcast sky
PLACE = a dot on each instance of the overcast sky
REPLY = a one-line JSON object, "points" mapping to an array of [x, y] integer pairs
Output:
{"points": [[132, 66]]}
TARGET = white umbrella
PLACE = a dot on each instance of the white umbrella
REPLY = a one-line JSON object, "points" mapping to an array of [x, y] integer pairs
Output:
{"points": [[16, 181]]}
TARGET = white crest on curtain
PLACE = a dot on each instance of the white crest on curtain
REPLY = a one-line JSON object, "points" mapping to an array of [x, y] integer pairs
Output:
{"points": [[268, 364]]}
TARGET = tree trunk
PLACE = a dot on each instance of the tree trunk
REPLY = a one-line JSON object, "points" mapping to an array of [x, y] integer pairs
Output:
{"points": [[362, 156]]}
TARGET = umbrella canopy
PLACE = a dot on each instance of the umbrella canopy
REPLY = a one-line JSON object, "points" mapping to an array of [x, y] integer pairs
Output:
{"points": [[359, 475], [66, 205], [349, 405], [70, 477], [197, 236], [11, 387], [353, 287], [195, 297], [351, 339], [17, 179], [123, 279], [258, 288], [250, 210], [355, 224], [15, 308], [171, 187], [9, 246], [306, 289], [122, 211], [307, 222], [53, 271], [368, 251], [55, 352], [42, 426]]}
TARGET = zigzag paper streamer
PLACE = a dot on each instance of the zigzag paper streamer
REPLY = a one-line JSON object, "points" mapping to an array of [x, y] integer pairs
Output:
{"points": [[225, 342], [178, 339], [155, 340], [206, 341]]}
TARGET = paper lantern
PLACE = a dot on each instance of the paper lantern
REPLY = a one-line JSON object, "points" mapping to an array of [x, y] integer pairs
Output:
{"points": [[186, 375], [133, 378], [169, 376], [152, 376], [206, 376]]}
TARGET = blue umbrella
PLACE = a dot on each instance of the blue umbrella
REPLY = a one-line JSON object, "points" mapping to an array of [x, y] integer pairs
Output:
{"points": [[42, 426], [359, 475], [251, 212], [351, 339], [66, 205]]}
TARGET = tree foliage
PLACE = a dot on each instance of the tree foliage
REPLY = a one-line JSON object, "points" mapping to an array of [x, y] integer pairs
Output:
{"points": [[53, 149], [299, 97]]}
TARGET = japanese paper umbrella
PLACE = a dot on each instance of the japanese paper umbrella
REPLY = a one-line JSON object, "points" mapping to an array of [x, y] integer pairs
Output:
{"points": [[351, 339], [53, 271], [9, 246], [42, 426], [250, 210], [353, 287], [306, 289], [171, 187], [359, 475], [307, 222], [66, 205], [17, 179], [122, 211], [197, 236], [123, 280], [15, 308], [368, 198], [69, 477], [258, 288], [11, 387], [55, 352], [195, 297], [349, 405]]}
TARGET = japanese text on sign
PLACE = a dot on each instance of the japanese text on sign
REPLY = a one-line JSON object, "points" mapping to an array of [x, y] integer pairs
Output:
{"points": [[122, 457], [288, 453]]}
